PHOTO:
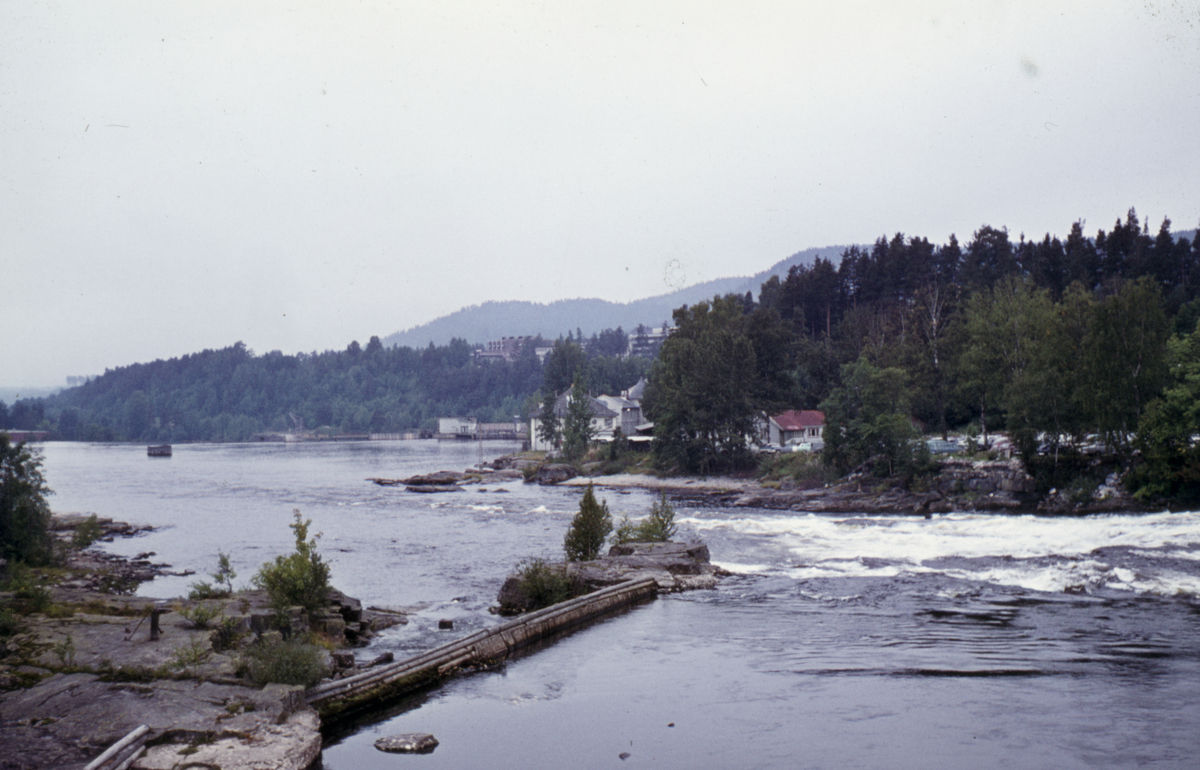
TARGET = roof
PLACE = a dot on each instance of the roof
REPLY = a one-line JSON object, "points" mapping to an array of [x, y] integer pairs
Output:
{"points": [[597, 408], [616, 402], [794, 419], [638, 391]]}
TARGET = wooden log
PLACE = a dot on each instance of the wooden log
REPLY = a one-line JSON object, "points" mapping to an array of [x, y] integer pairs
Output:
{"points": [[488, 645], [121, 754]]}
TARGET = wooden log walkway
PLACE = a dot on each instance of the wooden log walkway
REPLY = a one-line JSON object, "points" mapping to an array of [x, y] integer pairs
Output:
{"points": [[484, 647]]}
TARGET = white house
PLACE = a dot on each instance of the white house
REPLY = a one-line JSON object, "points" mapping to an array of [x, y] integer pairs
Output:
{"points": [[796, 427], [604, 420]]}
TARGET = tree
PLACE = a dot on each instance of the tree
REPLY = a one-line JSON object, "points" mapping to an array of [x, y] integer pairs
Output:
{"points": [[1170, 462], [700, 389], [589, 529], [577, 429], [1125, 358], [989, 258], [868, 418], [562, 364], [24, 513], [1010, 358], [549, 428]]}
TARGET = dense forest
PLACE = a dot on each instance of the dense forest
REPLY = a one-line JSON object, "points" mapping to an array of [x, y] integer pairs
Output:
{"points": [[1060, 343], [231, 394]]}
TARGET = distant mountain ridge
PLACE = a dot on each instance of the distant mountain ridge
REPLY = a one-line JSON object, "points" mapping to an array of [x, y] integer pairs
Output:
{"points": [[513, 318]]}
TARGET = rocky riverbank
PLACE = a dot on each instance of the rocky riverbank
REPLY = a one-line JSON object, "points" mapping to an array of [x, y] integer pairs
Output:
{"points": [[92, 662], [959, 485]]}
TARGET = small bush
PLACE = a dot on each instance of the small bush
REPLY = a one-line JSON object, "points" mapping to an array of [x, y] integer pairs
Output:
{"points": [[589, 529], [228, 633], [202, 589], [658, 527], [291, 662], [30, 593], [8, 622], [188, 658], [65, 650], [199, 615], [299, 579], [545, 584], [86, 532]]}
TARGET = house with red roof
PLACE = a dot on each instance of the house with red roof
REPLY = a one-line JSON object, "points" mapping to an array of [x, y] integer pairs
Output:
{"points": [[796, 426]]}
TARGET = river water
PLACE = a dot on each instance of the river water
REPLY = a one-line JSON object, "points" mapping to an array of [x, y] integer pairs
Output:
{"points": [[963, 641]]}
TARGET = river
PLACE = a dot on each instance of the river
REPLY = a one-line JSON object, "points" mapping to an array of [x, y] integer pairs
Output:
{"points": [[963, 641]]}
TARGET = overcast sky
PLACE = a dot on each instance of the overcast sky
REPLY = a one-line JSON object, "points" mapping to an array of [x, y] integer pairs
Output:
{"points": [[183, 175]]}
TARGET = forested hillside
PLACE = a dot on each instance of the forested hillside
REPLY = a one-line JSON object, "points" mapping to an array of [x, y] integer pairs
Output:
{"points": [[231, 394], [1059, 342]]}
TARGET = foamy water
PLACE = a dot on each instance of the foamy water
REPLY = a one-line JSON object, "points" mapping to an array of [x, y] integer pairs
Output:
{"points": [[1137, 553]]}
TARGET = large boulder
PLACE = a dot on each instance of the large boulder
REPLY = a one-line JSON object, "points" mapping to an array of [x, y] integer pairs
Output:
{"points": [[674, 566], [555, 473]]}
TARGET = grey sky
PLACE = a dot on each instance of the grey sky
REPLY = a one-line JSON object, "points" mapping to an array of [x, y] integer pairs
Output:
{"points": [[183, 175]]}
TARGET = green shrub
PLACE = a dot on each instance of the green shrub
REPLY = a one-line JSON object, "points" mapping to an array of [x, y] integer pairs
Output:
{"points": [[202, 589], [227, 634], [292, 662], [86, 532], [545, 584], [65, 650], [188, 658], [300, 578], [199, 615], [8, 622], [658, 527], [30, 593], [589, 529]]}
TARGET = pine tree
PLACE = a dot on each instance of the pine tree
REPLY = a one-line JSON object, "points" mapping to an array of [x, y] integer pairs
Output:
{"points": [[589, 529]]}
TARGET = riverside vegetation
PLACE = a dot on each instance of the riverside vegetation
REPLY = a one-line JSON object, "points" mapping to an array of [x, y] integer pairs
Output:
{"points": [[543, 583]]}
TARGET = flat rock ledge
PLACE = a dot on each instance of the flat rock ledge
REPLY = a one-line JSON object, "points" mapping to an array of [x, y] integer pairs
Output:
{"points": [[449, 481], [961, 485], [673, 566], [408, 743]]}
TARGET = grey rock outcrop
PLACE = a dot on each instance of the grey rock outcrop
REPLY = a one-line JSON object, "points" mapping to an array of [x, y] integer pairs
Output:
{"points": [[673, 566], [961, 485], [555, 473]]}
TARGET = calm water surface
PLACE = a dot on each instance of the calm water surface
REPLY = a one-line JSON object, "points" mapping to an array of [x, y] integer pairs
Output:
{"points": [[842, 642]]}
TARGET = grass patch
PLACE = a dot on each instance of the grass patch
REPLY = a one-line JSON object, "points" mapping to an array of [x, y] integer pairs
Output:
{"points": [[804, 469]]}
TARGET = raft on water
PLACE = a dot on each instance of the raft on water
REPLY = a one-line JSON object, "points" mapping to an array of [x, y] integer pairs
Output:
{"points": [[481, 648], [163, 450]]}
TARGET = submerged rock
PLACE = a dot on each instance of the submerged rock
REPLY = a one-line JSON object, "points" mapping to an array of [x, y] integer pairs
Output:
{"points": [[408, 743]]}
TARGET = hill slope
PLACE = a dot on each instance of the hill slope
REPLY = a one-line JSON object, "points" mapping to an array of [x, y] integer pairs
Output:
{"points": [[492, 320]]}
